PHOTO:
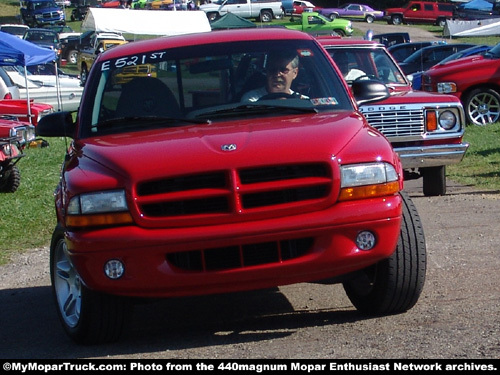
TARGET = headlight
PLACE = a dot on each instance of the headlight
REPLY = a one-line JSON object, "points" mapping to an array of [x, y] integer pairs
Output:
{"points": [[447, 120], [446, 87], [369, 180], [93, 203], [99, 208]]}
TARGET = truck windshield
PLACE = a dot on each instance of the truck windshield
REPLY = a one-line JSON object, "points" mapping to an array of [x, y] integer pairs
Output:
{"points": [[207, 83]]}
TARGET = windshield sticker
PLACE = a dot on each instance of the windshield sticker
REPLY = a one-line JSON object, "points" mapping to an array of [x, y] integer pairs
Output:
{"points": [[133, 60], [324, 101]]}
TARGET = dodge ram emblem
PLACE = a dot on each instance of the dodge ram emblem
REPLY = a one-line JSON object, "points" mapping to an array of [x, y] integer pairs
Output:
{"points": [[228, 147]]}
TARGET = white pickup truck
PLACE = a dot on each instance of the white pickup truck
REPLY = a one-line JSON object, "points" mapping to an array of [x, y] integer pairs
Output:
{"points": [[262, 10]]}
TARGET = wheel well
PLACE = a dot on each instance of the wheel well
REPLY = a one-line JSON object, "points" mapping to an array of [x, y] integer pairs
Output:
{"points": [[491, 86]]}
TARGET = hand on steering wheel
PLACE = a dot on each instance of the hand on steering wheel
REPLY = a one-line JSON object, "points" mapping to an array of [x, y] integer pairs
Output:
{"points": [[277, 95]]}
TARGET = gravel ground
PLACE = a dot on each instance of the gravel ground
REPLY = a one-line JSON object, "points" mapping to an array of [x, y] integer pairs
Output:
{"points": [[457, 315]]}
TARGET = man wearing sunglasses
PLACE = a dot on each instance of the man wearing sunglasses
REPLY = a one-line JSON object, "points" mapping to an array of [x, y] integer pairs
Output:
{"points": [[282, 68]]}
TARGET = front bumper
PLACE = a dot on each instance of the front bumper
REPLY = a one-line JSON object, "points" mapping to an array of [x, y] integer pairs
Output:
{"points": [[431, 156], [158, 262]]}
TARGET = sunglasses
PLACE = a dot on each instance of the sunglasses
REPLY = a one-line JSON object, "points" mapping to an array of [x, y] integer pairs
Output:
{"points": [[278, 69]]}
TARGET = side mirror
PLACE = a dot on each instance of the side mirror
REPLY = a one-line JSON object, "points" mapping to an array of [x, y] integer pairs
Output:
{"points": [[367, 91], [58, 124]]}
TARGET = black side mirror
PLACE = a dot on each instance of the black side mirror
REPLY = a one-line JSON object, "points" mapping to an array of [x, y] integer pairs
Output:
{"points": [[58, 124], [368, 90]]}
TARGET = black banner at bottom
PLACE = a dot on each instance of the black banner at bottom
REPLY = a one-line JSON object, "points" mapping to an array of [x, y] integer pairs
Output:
{"points": [[229, 366]]}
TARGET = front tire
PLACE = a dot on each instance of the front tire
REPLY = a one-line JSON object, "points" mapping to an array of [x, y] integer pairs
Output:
{"points": [[83, 75], [394, 284], [72, 56], [434, 181], [482, 106], [332, 16], [10, 180], [369, 19], [88, 317]]}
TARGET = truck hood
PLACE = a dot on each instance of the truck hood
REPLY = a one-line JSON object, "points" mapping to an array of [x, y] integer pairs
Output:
{"points": [[465, 63], [415, 97], [151, 154]]}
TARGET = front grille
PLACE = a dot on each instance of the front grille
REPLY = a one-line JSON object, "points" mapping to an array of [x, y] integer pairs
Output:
{"points": [[397, 122], [50, 15], [233, 193], [232, 257]]}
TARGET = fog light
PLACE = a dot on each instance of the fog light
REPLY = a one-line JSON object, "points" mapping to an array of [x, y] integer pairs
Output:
{"points": [[365, 240], [114, 269]]}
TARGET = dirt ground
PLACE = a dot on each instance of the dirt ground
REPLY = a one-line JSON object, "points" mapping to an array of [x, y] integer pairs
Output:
{"points": [[457, 315]]}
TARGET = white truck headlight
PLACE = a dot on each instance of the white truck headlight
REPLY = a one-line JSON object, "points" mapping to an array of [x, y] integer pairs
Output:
{"points": [[99, 202]]}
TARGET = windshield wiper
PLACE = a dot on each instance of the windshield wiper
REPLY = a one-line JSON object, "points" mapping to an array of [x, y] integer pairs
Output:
{"points": [[251, 108], [147, 121]]}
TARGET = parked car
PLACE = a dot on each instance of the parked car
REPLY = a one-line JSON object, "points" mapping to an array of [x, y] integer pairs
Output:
{"points": [[18, 109], [478, 10], [389, 39], [420, 12], [355, 12], [63, 31], [8, 89], [303, 6], [71, 45], [42, 89], [416, 78], [425, 130], [401, 51], [14, 136], [79, 12], [237, 195], [44, 38], [475, 80], [426, 57], [14, 29], [38, 13]]}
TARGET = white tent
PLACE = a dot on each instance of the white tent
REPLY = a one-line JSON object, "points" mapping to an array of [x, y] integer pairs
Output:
{"points": [[462, 28], [145, 22]]}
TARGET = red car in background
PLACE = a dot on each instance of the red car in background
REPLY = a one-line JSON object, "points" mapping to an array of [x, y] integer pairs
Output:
{"points": [[304, 6], [475, 80], [18, 108]]}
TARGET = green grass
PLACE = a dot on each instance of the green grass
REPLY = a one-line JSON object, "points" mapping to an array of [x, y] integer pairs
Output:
{"points": [[481, 165], [27, 217]]}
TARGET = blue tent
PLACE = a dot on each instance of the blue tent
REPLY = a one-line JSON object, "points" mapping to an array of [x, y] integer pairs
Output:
{"points": [[16, 51], [478, 5]]}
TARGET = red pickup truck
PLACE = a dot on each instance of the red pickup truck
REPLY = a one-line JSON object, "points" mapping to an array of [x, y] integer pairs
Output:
{"points": [[425, 129], [178, 185], [475, 80]]}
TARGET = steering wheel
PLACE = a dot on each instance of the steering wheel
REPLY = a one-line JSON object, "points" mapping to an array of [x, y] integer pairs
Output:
{"points": [[277, 95], [367, 77]]}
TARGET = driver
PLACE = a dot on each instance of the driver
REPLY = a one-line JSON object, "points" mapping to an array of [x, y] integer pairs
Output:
{"points": [[282, 68]]}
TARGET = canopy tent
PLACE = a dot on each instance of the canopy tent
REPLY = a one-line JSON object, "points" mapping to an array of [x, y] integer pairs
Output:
{"points": [[145, 22], [15, 51], [231, 21], [462, 28], [477, 4]]}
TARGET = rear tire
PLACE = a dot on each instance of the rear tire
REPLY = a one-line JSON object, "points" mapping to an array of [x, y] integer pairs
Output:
{"points": [[266, 16], [394, 284], [434, 181], [88, 317], [482, 106], [10, 180], [369, 19], [397, 19]]}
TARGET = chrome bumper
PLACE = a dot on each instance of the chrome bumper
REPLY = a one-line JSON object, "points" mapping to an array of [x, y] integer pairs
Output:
{"points": [[431, 156]]}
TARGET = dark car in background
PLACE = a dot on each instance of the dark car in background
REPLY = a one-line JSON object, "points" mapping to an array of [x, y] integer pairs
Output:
{"points": [[44, 38], [426, 57], [37, 13], [401, 51]]}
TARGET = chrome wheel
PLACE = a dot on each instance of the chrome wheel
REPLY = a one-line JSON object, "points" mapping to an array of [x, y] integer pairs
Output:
{"points": [[67, 286], [483, 107]]}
